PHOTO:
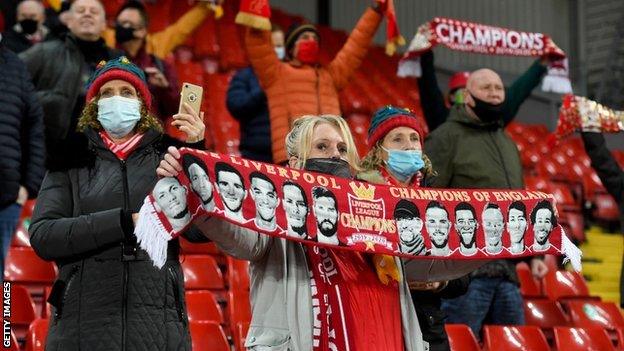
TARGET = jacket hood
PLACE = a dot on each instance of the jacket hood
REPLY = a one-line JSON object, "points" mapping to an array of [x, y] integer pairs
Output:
{"points": [[461, 114]]}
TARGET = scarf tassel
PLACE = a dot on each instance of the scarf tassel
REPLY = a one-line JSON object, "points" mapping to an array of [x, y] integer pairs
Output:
{"points": [[571, 252], [409, 68], [151, 234]]}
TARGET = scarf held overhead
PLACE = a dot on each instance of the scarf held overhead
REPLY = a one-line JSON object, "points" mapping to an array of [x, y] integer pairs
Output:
{"points": [[489, 40], [340, 213]]}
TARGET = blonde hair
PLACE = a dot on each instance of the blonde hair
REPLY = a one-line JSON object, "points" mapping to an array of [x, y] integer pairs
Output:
{"points": [[374, 160], [89, 115], [299, 139]]}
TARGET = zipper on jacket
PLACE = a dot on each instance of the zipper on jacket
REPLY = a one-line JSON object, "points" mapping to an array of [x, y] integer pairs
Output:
{"points": [[500, 155], [318, 91], [176, 295], [59, 310], [124, 302]]}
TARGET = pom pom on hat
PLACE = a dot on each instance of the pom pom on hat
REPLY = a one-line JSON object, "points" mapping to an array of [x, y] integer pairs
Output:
{"points": [[389, 117], [120, 68]]}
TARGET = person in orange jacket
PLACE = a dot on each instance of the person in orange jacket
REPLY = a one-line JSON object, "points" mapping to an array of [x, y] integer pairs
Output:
{"points": [[161, 44], [300, 85]]}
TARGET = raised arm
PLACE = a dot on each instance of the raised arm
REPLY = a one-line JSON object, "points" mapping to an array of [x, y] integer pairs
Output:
{"points": [[609, 171], [262, 56], [349, 58], [164, 42], [239, 242], [55, 233], [521, 88], [431, 97]]}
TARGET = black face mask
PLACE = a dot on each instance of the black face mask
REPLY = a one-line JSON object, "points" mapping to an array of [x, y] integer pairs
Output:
{"points": [[332, 166], [29, 26], [123, 34], [487, 112]]}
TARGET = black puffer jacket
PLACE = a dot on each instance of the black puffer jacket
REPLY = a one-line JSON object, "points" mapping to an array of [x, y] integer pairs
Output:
{"points": [[108, 295], [22, 149]]}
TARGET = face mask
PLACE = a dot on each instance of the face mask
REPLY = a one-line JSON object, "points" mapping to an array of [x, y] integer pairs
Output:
{"points": [[29, 26], [118, 115], [123, 34], [487, 112], [403, 164], [281, 52], [332, 166], [308, 51]]}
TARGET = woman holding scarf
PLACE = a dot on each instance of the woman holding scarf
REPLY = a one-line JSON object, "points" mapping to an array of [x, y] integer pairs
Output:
{"points": [[396, 159], [108, 295], [309, 298]]}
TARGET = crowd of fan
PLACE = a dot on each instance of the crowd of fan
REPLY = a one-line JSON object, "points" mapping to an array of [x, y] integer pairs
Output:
{"points": [[53, 85]]}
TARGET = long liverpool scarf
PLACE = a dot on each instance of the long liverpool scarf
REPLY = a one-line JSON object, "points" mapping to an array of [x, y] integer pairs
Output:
{"points": [[345, 214], [580, 113], [489, 40]]}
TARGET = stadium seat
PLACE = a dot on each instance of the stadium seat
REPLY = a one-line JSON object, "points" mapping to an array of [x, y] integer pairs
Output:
{"points": [[25, 267], [544, 313], [208, 336], [514, 338], [190, 248], [606, 209], [22, 310], [240, 335], [528, 285], [201, 273], [564, 284], [37, 334], [461, 338], [14, 345], [582, 339], [237, 274], [593, 313], [201, 305], [27, 209], [239, 307], [21, 238]]}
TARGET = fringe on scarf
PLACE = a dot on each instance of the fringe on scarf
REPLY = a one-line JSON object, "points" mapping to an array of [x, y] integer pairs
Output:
{"points": [[409, 68], [151, 234], [253, 21], [557, 78], [571, 252]]}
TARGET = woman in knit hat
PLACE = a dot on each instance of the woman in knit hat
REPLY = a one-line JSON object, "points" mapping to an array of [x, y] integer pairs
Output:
{"points": [[396, 137], [108, 295]]}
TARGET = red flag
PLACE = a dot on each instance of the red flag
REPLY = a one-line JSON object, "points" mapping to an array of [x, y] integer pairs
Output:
{"points": [[255, 14]]}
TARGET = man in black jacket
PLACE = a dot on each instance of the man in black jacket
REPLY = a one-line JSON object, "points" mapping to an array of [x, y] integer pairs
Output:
{"points": [[21, 143], [60, 70], [612, 177], [29, 29]]}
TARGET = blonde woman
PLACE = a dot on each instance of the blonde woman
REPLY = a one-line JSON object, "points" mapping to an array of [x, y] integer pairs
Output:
{"points": [[308, 298]]}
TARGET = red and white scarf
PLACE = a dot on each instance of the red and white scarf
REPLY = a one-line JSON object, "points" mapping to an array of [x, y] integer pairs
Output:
{"points": [[123, 150], [489, 40]]}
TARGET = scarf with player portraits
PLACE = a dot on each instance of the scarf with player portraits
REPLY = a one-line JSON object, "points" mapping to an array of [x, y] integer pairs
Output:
{"points": [[484, 39], [340, 213]]}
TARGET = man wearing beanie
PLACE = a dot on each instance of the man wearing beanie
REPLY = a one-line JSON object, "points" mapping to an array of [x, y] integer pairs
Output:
{"points": [[60, 70], [471, 150], [301, 85]]}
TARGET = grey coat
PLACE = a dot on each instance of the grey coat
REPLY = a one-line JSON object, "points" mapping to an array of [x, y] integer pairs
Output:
{"points": [[280, 287]]}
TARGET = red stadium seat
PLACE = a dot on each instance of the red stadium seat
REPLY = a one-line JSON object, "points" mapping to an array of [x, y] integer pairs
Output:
{"points": [[14, 344], [593, 313], [28, 208], [199, 249], [240, 334], [359, 123], [21, 238], [201, 305], [239, 307], [208, 336], [25, 267], [461, 338], [582, 339], [528, 286], [237, 274], [37, 334], [22, 310], [514, 338], [606, 208], [544, 313], [201, 273], [564, 284]]}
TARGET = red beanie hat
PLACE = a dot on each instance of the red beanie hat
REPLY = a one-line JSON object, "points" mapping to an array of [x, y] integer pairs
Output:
{"points": [[458, 80], [388, 118], [122, 69]]}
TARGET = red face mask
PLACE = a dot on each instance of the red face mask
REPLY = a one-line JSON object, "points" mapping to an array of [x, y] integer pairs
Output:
{"points": [[308, 51]]}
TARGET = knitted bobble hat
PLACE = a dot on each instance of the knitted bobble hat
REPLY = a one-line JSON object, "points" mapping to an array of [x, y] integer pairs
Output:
{"points": [[119, 68], [389, 117]]}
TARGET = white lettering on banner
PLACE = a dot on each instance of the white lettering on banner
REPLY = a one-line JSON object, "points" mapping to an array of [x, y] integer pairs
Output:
{"points": [[469, 37], [442, 32], [539, 41], [496, 36], [513, 40], [455, 34], [483, 37]]}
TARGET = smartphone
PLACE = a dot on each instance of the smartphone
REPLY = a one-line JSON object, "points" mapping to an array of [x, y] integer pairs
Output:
{"points": [[191, 94]]}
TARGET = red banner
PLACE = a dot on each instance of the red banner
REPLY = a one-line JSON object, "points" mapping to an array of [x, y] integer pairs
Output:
{"points": [[340, 213], [255, 14], [489, 40]]}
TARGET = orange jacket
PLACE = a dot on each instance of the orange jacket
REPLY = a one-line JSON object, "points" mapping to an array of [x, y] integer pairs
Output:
{"points": [[162, 43], [296, 91]]}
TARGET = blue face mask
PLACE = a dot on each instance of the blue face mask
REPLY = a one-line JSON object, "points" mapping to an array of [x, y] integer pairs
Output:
{"points": [[281, 52], [403, 164], [118, 115]]}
